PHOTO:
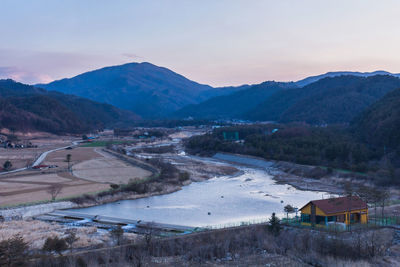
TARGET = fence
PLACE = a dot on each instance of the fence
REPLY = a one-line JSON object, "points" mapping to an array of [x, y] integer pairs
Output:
{"points": [[296, 222], [384, 221], [237, 224]]}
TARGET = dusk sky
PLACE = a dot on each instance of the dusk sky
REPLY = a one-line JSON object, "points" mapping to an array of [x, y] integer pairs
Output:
{"points": [[216, 42]]}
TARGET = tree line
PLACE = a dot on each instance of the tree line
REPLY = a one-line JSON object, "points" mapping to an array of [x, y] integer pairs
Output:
{"points": [[332, 147]]}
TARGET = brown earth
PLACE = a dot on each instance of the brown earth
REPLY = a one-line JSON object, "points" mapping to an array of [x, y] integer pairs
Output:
{"points": [[92, 171]]}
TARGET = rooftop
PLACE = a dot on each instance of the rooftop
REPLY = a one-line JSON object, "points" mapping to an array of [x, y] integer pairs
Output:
{"points": [[339, 204]]}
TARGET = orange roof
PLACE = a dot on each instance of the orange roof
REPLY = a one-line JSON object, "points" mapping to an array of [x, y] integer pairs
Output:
{"points": [[339, 204]]}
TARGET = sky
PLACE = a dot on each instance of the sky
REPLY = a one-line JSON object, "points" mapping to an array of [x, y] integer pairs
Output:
{"points": [[216, 42]]}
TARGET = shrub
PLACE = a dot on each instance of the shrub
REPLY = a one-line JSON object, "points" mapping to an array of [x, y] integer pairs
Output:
{"points": [[134, 186], [114, 186], [13, 251], [84, 199], [7, 165], [55, 244], [184, 176], [81, 262], [317, 173]]}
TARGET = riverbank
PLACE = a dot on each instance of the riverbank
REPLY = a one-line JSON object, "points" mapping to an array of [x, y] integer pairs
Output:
{"points": [[22, 216], [198, 171], [288, 173]]}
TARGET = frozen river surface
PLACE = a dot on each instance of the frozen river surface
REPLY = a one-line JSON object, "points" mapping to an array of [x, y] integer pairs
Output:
{"points": [[250, 196]]}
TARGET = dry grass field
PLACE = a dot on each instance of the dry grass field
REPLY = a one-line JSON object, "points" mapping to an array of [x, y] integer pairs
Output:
{"points": [[23, 157], [92, 171], [35, 233], [108, 171]]}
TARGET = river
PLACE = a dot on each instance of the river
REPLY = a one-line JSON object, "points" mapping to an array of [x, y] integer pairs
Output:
{"points": [[251, 196]]}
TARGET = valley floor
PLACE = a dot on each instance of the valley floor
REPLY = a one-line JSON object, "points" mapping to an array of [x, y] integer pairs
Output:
{"points": [[92, 171]]}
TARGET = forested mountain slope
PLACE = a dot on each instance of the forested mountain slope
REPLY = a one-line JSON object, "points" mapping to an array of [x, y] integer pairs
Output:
{"points": [[330, 100], [27, 108]]}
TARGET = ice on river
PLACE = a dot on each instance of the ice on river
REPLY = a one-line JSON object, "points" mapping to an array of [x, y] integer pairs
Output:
{"points": [[253, 195]]}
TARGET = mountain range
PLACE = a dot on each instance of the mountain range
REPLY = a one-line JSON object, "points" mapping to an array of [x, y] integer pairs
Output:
{"points": [[329, 100], [313, 79], [148, 90], [336, 99], [120, 95], [234, 105], [155, 92]]}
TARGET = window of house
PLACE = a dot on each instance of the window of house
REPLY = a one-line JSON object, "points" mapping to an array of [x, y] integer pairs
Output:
{"points": [[320, 220], [331, 218], [305, 218]]}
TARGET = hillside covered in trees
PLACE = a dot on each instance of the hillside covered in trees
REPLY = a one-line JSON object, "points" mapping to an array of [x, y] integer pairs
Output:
{"points": [[148, 90], [379, 125], [330, 100], [27, 108], [233, 106], [333, 147]]}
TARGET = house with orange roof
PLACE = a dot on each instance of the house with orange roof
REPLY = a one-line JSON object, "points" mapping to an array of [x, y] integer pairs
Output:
{"points": [[347, 210]]}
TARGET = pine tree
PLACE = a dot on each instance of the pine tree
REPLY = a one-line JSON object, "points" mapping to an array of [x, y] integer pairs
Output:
{"points": [[274, 225]]}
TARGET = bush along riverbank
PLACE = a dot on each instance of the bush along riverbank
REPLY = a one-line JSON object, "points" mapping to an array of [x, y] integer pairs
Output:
{"points": [[166, 178], [334, 149]]}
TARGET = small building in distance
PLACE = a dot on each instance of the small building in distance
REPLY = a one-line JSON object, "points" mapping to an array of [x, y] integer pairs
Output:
{"points": [[346, 210], [230, 136]]}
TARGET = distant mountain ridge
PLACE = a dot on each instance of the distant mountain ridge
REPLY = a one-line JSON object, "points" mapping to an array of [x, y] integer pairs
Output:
{"points": [[146, 89], [312, 79], [27, 108], [155, 92], [330, 100], [234, 105]]}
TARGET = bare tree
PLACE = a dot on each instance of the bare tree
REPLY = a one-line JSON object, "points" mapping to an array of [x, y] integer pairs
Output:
{"points": [[71, 237], [288, 209], [117, 234], [54, 190], [149, 235], [28, 163], [384, 197]]}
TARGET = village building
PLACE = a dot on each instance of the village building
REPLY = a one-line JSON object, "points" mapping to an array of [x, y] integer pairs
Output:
{"points": [[346, 210], [230, 136]]}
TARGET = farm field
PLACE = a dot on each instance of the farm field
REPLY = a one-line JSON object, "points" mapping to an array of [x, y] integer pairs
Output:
{"points": [[23, 157], [104, 143], [92, 171], [108, 169]]}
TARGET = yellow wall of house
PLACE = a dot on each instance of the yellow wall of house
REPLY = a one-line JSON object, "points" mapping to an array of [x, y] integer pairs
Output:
{"points": [[363, 218], [307, 210]]}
